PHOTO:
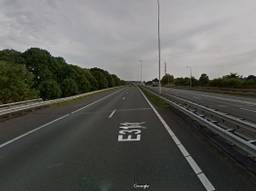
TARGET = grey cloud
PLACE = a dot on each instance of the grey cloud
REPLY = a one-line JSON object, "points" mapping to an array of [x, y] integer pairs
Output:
{"points": [[211, 36]]}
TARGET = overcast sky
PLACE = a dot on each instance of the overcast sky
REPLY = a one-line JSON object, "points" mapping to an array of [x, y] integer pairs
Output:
{"points": [[213, 36]]}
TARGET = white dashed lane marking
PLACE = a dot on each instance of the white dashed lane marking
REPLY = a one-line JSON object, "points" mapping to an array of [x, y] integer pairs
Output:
{"points": [[112, 113]]}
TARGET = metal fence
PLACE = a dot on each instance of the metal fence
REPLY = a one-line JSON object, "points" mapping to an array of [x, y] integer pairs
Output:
{"points": [[237, 131], [14, 108]]}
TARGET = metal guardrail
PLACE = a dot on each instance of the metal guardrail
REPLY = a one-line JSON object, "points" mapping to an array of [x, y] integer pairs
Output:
{"points": [[227, 117], [238, 132], [35, 105], [7, 105]]}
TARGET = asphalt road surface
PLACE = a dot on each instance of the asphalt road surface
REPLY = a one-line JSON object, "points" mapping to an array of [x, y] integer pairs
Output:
{"points": [[238, 106], [116, 141]]}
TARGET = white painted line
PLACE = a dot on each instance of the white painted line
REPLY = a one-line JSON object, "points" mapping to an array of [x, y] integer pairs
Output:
{"points": [[129, 138], [175, 139], [248, 110], [51, 122], [183, 150], [112, 113], [203, 179], [193, 164], [32, 131], [130, 131]]}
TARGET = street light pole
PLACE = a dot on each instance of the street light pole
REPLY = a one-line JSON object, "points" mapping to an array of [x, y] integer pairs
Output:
{"points": [[140, 71], [190, 71], [165, 67], [159, 46]]}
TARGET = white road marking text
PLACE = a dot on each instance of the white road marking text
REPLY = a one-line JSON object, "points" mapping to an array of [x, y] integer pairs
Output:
{"points": [[130, 131]]}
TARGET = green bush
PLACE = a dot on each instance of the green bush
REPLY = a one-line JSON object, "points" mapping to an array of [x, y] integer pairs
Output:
{"points": [[69, 87], [93, 82], [15, 83], [249, 84], [49, 89], [182, 81], [204, 80], [216, 82], [231, 82], [117, 81], [167, 79], [100, 76]]}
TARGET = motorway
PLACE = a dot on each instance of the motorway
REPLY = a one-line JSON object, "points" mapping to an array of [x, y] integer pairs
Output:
{"points": [[238, 106], [112, 141]]}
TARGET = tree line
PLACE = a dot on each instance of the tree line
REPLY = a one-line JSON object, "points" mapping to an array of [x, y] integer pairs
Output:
{"points": [[36, 73], [232, 80]]}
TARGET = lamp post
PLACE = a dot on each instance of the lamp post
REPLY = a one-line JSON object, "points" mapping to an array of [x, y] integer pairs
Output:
{"points": [[140, 61], [190, 72], [159, 46]]}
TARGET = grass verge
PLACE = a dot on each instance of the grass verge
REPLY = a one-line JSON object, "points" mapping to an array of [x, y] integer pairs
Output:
{"points": [[76, 100], [158, 102]]}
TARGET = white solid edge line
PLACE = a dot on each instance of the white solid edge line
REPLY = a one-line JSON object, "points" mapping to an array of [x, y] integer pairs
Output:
{"points": [[207, 184], [112, 113], [32, 131], [199, 173], [53, 121], [183, 150], [193, 165], [248, 110]]}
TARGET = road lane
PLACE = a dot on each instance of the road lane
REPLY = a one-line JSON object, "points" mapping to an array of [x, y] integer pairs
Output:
{"points": [[193, 164], [83, 152], [225, 103], [19, 125], [151, 159]]}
